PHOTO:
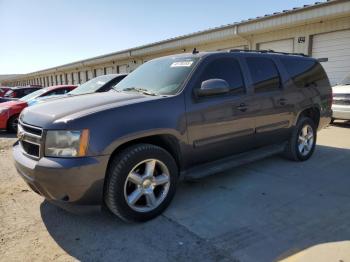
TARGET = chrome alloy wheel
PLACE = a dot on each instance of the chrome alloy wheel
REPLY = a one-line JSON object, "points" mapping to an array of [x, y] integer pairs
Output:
{"points": [[147, 185], [305, 140]]}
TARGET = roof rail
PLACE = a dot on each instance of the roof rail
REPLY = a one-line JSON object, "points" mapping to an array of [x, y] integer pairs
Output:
{"points": [[266, 51]]}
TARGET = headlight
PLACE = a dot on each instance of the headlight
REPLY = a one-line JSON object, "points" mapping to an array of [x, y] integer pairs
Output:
{"points": [[3, 109], [65, 143]]}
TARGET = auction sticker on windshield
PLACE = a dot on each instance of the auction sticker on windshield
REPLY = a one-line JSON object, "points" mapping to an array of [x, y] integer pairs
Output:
{"points": [[182, 64]]}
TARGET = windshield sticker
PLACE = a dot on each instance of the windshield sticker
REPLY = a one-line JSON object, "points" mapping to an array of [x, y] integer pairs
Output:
{"points": [[182, 64]]}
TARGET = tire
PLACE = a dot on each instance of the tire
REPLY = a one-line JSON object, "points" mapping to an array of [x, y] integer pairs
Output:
{"points": [[12, 124], [332, 121], [133, 201], [293, 151]]}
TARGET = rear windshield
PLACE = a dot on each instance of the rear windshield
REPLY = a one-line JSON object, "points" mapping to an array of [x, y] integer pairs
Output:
{"points": [[93, 85], [34, 95]]}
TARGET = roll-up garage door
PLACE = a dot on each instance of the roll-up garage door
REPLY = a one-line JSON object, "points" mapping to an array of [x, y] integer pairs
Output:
{"points": [[336, 47], [286, 45], [241, 47], [76, 78], [109, 70], [99, 72], [122, 69], [83, 76], [90, 75]]}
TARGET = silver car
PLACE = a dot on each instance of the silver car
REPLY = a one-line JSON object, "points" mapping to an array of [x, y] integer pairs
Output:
{"points": [[341, 100]]}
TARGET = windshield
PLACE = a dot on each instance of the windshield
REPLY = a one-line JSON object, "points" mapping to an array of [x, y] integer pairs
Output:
{"points": [[92, 85], [163, 76], [33, 95], [346, 80]]}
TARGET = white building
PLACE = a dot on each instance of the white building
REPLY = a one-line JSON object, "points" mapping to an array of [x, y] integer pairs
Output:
{"points": [[321, 30]]}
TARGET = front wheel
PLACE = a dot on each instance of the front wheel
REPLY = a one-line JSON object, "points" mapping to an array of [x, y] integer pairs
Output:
{"points": [[301, 144], [141, 182]]}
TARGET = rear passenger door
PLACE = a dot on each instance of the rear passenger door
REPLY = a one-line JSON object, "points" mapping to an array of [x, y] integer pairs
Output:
{"points": [[220, 125], [275, 114]]}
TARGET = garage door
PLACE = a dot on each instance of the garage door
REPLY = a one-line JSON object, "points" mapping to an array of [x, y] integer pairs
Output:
{"points": [[286, 45], [122, 69], [336, 47], [109, 70], [99, 72], [241, 47]]}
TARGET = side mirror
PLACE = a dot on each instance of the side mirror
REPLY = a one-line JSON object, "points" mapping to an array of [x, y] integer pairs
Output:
{"points": [[213, 87]]}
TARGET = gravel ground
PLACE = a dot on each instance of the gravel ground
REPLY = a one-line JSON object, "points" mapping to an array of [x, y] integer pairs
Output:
{"points": [[268, 210]]}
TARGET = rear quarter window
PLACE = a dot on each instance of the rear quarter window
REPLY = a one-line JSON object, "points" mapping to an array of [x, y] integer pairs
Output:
{"points": [[304, 72]]}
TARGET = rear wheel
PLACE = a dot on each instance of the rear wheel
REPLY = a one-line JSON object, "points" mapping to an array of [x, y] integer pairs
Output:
{"points": [[141, 182], [12, 124], [301, 144]]}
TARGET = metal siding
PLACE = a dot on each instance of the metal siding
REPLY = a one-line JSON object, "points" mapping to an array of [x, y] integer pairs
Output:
{"points": [[336, 47]]}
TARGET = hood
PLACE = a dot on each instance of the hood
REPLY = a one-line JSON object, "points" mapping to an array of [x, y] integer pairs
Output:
{"points": [[70, 108], [341, 89], [13, 103]]}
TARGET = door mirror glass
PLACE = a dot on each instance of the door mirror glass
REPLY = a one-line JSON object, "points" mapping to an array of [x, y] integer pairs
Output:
{"points": [[213, 87]]}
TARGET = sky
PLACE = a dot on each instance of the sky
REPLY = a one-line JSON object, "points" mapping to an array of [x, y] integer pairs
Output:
{"points": [[39, 34]]}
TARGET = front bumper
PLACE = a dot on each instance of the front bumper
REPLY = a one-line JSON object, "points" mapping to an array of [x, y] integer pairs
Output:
{"points": [[65, 181], [341, 112]]}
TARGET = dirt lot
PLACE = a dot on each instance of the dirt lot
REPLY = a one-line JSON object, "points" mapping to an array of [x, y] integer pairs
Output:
{"points": [[270, 210]]}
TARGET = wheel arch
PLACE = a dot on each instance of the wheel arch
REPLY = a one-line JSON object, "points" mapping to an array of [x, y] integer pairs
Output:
{"points": [[168, 142], [311, 112]]}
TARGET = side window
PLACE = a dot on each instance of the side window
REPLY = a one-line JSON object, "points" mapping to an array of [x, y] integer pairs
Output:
{"points": [[227, 69], [264, 74], [303, 72]]}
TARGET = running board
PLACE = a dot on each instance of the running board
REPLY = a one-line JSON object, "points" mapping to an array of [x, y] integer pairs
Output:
{"points": [[224, 164]]}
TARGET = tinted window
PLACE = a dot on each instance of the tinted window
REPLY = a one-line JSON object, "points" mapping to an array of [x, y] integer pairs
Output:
{"points": [[227, 69], [264, 74], [303, 71]]}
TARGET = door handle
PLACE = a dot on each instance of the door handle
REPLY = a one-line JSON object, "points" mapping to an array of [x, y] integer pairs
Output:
{"points": [[282, 101], [242, 107]]}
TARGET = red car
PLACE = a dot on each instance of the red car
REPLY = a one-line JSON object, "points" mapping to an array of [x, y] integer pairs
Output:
{"points": [[3, 90], [9, 111]]}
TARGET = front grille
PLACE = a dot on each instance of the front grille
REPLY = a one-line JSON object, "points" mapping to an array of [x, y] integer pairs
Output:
{"points": [[31, 149], [30, 138], [341, 99], [32, 130]]}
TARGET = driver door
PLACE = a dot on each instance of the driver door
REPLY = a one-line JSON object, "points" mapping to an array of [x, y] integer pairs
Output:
{"points": [[221, 125]]}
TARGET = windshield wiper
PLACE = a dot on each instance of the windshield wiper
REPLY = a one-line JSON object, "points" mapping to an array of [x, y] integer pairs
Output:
{"points": [[140, 90]]}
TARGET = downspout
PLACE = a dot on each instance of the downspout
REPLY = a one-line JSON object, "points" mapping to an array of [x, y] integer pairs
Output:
{"points": [[249, 41]]}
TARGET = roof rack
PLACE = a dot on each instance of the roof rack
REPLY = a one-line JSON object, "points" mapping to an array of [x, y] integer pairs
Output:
{"points": [[266, 51]]}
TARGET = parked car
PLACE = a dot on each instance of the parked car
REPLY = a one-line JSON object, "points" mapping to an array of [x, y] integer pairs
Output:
{"points": [[17, 92], [9, 111], [3, 90], [341, 100], [182, 116], [98, 84]]}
